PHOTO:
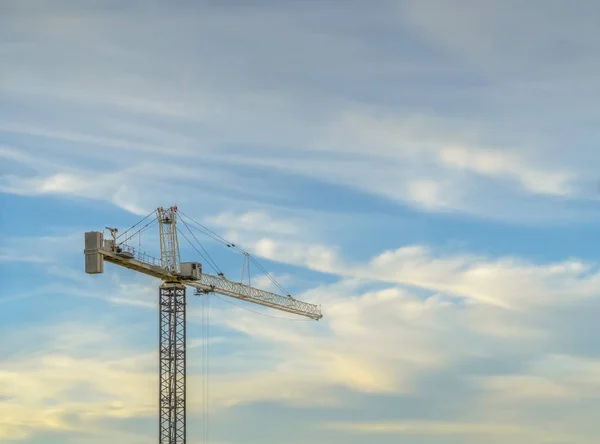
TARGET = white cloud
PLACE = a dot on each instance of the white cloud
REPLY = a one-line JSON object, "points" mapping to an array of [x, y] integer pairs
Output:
{"points": [[99, 128], [39, 249], [507, 282], [54, 384], [527, 387], [519, 52], [428, 193], [110, 186], [508, 164], [447, 429], [562, 378], [123, 114], [255, 221], [349, 352]]}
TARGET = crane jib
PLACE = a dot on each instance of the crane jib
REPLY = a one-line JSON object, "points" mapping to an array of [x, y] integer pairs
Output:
{"points": [[205, 282]]}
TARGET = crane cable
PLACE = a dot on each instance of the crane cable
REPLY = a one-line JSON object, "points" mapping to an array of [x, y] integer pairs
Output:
{"points": [[214, 267], [203, 345], [205, 367], [207, 404], [271, 278], [132, 227], [208, 232], [251, 258], [138, 231], [213, 263]]}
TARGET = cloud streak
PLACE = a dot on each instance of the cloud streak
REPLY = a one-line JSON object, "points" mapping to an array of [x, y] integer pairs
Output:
{"points": [[428, 161], [289, 127]]}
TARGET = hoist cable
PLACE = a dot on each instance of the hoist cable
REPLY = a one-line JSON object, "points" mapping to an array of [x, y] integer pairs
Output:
{"points": [[208, 369]]}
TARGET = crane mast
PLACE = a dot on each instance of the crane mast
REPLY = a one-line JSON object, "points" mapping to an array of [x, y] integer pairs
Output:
{"points": [[172, 363], [172, 336], [169, 247], [176, 275]]}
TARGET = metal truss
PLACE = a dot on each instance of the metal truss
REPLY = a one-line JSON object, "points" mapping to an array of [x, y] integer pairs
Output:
{"points": [[220, 285], [208, 283], [172, 401]]}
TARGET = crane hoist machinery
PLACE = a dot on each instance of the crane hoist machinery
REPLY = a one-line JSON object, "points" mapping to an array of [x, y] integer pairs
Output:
{"points": [[176, 276]]}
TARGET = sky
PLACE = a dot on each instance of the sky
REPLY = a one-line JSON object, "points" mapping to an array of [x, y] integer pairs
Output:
{"points": [[425, 170]]}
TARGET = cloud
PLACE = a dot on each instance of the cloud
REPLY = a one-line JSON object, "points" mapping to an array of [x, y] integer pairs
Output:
{"points": [[522, 52], [293, 109], [533, 74], [527, 387], [422, 163], [446, 429], [507, 282], [102, 117], [561, 378], [38, 249], [90, 185], [306, 365], [60, 385], [453, 313], [509, 164], [487, 320], [254, 220]]}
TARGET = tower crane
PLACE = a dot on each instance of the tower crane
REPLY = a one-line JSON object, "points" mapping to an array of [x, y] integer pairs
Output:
{"points": [[175, 276]]}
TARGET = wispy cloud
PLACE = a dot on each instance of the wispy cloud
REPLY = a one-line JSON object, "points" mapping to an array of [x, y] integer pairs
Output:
{"points": [[508, 282], [430, 161], [507, 431], [249, 116], [308, 365]]}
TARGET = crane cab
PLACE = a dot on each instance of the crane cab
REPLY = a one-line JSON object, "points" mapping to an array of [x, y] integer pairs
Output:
{"points": [[190, 271]]}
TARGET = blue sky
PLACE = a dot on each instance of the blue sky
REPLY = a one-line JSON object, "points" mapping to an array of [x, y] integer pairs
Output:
{"points": [[426, 170]]}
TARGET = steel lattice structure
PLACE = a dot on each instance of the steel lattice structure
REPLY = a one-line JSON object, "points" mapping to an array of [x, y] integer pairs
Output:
{"points": [[172, 400], [172, 307], [169, 246]]}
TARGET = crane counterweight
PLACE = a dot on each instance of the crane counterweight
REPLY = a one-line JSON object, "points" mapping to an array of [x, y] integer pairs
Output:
{"points": [[94, 260]]}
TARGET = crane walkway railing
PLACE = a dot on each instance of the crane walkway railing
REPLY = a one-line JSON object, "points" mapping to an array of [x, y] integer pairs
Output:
{"points": [[142, 256]]}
